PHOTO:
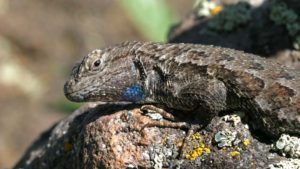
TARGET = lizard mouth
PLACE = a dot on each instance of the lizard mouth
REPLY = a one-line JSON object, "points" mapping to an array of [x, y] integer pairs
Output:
{"points": [[74, 95]]}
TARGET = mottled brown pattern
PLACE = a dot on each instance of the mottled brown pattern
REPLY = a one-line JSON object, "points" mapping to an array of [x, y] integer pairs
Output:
{"points": [[186, 76], [244, 83], [280, 96]]}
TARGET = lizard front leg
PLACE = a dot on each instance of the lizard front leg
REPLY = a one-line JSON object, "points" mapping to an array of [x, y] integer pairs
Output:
{"points": [[211, 97], [208, 96]]}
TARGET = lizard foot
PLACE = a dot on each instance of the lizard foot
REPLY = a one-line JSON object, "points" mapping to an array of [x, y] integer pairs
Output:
{"points": [[191, 129], [154, 109], [158, 122]]}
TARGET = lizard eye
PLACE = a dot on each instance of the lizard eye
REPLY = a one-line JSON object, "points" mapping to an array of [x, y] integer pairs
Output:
{"points": [[97, 63]]}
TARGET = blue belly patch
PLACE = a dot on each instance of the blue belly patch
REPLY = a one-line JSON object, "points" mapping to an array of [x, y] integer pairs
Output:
{"points": [[133, 93]]}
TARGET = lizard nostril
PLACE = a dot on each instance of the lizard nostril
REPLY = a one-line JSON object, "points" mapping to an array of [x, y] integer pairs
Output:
{"points": [[68, 87]]}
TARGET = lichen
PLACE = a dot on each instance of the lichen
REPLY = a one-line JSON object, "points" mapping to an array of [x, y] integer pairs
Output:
{"points": [[282, 15], [160, 156], [234, 118], [226, 138], [246, 142], [231, 18], [235, 154], [155, 116], [199, 148], [216, 10], [158, 161], [288, 146], [286, 164], [207, 8]]}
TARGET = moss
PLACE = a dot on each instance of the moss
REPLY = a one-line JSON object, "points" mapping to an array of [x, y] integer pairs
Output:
{"points": [[282, 15], [231, 18]]}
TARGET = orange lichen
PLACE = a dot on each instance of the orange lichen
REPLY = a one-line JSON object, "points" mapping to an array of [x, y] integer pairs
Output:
{"points": [[216, 10]]}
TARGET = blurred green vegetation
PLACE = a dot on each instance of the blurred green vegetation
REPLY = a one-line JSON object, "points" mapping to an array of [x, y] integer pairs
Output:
{"points": [[153, 18], [65, 106]]}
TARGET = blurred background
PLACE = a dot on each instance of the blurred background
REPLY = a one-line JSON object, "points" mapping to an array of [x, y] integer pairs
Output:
{"points": [[40, 41]]}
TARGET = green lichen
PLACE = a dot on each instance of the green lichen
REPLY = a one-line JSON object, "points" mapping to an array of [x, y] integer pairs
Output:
{"points": [[288, 146], [231, 18], [286, 164], [282, 15], [226, 138]]}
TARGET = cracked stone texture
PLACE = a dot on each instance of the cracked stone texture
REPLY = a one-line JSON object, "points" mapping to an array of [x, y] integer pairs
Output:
{"points": [[117, 136]]}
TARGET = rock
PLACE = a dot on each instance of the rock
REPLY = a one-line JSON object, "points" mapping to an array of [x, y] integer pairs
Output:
{"points": [[105, 136], [253, 29], [117, 136]]}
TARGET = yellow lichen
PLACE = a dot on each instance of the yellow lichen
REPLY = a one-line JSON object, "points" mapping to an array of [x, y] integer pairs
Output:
{"points": [[246, 142], [235, 154], [199, 147], [196, 136], [197, 152], [216, 10]]}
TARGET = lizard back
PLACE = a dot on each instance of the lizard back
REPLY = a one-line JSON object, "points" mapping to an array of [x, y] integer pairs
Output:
{"points": [[268, 90]]}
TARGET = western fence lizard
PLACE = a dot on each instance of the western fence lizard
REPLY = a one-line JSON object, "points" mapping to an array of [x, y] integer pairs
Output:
{"points": [[191, 77]]}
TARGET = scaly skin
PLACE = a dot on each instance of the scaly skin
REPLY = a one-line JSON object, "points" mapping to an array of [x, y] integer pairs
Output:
{"points": [[192, 77]]}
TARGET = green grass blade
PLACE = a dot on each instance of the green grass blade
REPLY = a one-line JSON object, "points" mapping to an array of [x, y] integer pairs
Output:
{"points": [[152, 18]]}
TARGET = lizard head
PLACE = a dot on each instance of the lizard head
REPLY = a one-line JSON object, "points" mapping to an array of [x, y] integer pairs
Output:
{"points": [[106, 75]]}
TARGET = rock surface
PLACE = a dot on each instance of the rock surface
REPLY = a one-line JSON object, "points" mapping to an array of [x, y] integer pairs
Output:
{"points": [[117, 136]]}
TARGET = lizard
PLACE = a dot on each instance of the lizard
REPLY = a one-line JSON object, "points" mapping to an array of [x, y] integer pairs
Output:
{"points": [[192, 77]]}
